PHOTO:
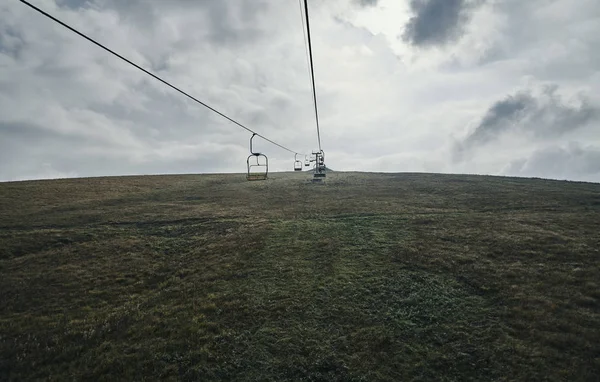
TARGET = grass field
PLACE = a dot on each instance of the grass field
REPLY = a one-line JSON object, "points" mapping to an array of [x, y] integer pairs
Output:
{"points": [[369, 277]]}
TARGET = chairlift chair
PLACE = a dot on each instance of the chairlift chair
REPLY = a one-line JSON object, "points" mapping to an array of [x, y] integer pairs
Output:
{"points": [[297, 163], [306, 161], [258, 164]]}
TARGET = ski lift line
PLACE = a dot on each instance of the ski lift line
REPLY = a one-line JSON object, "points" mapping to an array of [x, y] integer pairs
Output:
{"points": [[300, 2], [153, 75], [312, 71]]}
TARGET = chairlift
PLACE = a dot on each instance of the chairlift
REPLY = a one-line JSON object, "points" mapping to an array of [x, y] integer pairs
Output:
{"points": [[258, 164], [306, 161], [319, 173], [297, 163]]}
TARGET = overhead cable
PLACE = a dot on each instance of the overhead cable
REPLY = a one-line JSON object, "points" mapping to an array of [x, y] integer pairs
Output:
{"points": [[312, 72], [303, 22]]}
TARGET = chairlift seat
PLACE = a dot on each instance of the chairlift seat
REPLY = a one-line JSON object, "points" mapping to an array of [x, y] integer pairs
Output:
{"points": [[256, 176], [258, 167]]}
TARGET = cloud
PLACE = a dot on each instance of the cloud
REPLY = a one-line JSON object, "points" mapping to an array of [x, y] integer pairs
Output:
{"points": [[66, 107], [221, 23], [45, 171], [554, 39], [545, 114], [573, 161], [367, 3], [437, 22]]}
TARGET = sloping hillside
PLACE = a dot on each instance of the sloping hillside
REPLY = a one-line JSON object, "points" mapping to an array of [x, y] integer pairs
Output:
{"points": [[367, 277]]}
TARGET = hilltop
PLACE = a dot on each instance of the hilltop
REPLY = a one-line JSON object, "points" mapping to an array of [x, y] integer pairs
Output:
{"points": [[326, 169], [367, 277]]}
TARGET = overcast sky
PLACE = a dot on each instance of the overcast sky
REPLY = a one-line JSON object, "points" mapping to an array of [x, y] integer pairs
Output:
{"points": [[504, 87]]}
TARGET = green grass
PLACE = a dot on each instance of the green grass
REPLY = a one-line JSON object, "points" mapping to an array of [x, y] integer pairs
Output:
{"points": [[367, 277]]}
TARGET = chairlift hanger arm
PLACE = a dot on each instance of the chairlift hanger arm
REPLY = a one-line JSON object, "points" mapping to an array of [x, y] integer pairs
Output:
{"points": [[251, 149]]}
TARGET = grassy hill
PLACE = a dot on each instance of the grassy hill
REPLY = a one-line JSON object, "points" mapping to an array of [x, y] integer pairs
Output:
{"points": [[367, 277]]}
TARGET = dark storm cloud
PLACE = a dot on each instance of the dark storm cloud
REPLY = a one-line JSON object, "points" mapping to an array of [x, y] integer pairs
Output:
{"points": [[437, 22], [501, 116], [546, 114]]}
